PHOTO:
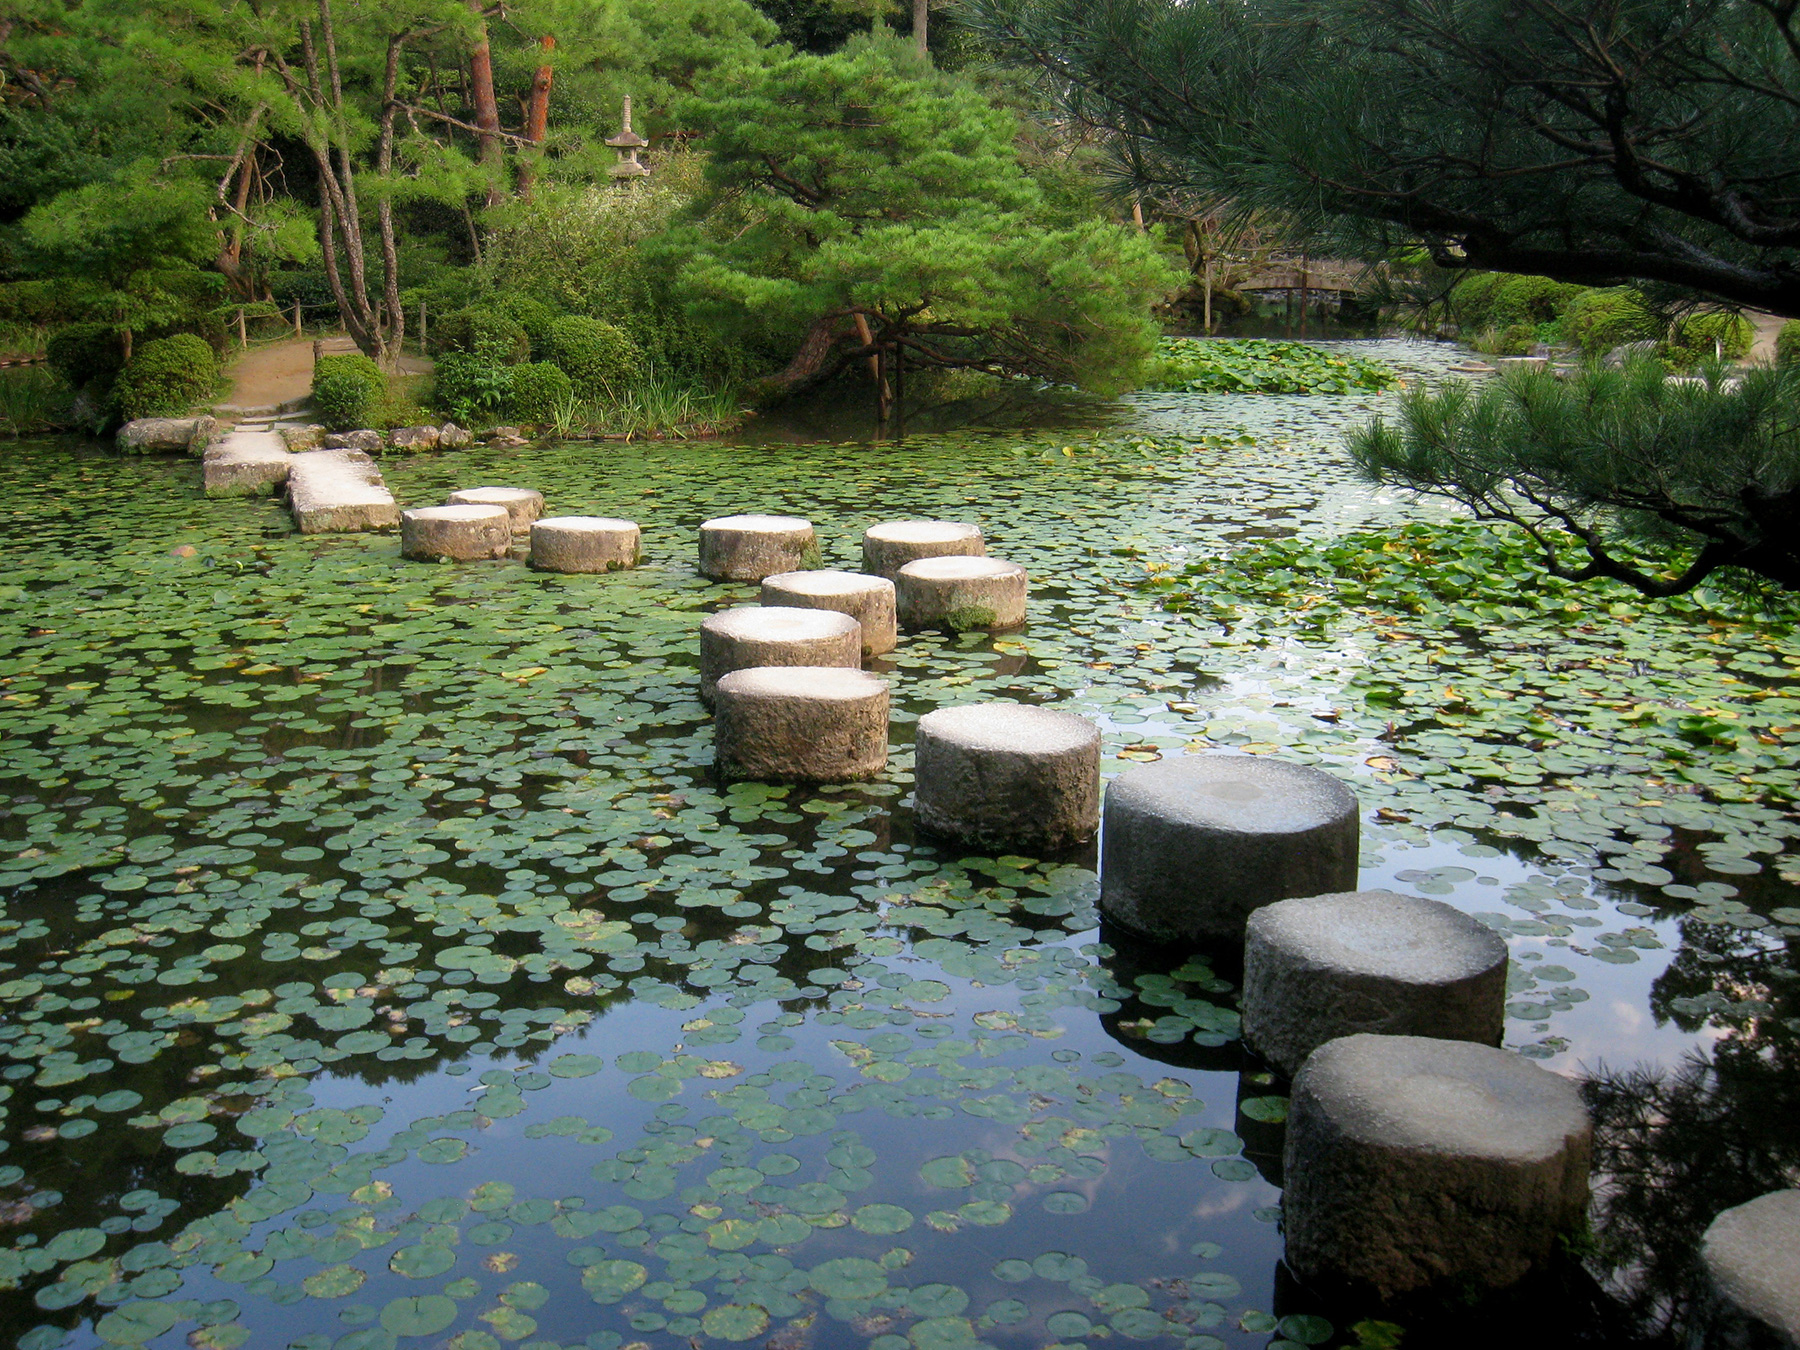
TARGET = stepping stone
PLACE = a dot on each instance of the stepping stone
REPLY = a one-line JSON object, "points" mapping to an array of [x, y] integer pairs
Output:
{"points": [[1414, 1163], [775, 635], [891, 545], [1751, 1253], [584, 544], [245, 464], [464, 533], [366, 440], [961, 593], [302, 436], [1191, 845], [524, 505], [1005, 776], [339, 491], [868, 600], [749, 548], [801, 724], [1368, 961]]}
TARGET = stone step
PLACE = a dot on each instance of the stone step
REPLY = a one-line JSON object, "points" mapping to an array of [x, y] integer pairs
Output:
{"points": [[339, 491], [246, 464]]}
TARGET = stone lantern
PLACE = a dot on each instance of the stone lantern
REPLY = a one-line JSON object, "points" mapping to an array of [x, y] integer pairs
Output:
{"points": [[628, 143]]}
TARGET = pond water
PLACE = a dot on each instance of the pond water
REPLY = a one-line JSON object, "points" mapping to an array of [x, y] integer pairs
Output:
{"points": [[385, 968]]}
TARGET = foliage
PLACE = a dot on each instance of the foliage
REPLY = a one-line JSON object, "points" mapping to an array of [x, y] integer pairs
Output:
{"points": [[1599, 321], [535, 391], [85, 354], [598, 358], [1648, 143], [863, 192], [1787, 343], [657, 404], [34, 399], [468, 389], [485, 333], [1713, 333], [348, 391], [1256, 366], [167, 376], [531, 314], [1660, 485]]}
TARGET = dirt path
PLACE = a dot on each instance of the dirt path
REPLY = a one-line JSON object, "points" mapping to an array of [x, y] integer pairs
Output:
{"points": [[1767, 327], [266, 377]]}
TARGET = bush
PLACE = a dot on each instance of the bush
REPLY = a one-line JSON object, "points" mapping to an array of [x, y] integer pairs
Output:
{"points": [[535, 391], [167, 376], [1787, 343], [347, 391], [490, 337], [468, 389], [1599, 321], [1504, 302], [534, 316], [1699, 336], [85, 353], [597, 357]]}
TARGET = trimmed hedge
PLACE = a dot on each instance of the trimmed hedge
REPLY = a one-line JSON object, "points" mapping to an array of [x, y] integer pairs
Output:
{"points": [[347, 391], [1787, 344], [487, 335], [1599, 321], [166, 377], [598, 358], [1699, 336], [85, 353], [534, 316], [536, 391]]}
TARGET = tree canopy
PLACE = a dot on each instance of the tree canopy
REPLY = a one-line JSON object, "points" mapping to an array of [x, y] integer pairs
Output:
{"points": [[1614, 139]]}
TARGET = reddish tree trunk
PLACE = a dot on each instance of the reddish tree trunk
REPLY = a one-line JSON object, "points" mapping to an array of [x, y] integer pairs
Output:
{"points": [[537, 112], [487, 110]]}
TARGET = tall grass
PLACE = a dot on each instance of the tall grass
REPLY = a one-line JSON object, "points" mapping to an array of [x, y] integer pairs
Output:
{"points": [[656, 405], [34, 399]]}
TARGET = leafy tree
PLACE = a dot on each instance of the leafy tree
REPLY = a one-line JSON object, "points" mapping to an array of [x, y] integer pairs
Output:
{"points": [[1615, 473], [1593, 143], [865, 204]]}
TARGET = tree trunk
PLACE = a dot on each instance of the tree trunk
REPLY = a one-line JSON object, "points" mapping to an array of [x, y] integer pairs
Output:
{"points": [[487, 111], [811, 363], [537, 112], [921, 26]]}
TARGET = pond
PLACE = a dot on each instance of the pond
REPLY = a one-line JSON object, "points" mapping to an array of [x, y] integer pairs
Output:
{"points": [[384, 966]]}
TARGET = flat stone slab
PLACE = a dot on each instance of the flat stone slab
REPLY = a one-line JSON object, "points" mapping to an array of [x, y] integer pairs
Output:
{"points": [[1415, 1163], [751, 547], [1191, 845], [339, 491], [801, 724], [161, 435], [1368, 961], [869, 600], [584, 544], [775, 635], [891, 545], [523, 505], [246, 464], [961, 593], [1752, 1256], [1007, 776]]}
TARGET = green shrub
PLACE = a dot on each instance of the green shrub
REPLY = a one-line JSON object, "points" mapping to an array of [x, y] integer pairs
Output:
{"points": [[1699, 336], [1502, 301], [167, 376], [1599, 321], [347, 391], [478, 331], [597, 357], [533, 315], [85, 353], [535, 391], [1787, 343], [468, 389]]}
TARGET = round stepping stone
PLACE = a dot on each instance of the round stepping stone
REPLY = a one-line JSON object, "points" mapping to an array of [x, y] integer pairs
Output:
{"points": [[868, 600], [432, 533], [801, 724], [523, 505], [1368, 961], [1008, 776], [749, 548], [962, 594], [1752, 1256], [1413, 1162], [775, 635], [584, 544], [891, 545], [1189, 846]]}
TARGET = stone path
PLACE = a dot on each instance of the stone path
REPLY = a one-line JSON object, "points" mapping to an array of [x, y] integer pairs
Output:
{"points": [[246, 463], [333, 491]]}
